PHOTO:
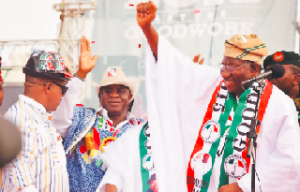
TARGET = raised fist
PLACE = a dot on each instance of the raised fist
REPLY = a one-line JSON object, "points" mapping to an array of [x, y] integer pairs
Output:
{"points": [[146, 12]]}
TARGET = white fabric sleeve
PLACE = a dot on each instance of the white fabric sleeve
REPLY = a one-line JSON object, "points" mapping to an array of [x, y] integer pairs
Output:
{"points": [[112, 177], [279, 171], [178, 93], [120, 159], [62, 117], [30, 188], [176, 73]]}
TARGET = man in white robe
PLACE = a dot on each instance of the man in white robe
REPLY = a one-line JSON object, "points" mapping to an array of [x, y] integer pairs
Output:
{"points": [[179, 94]]}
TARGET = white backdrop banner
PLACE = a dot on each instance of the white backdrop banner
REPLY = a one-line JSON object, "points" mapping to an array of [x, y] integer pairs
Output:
{"points": [[193, 26]]}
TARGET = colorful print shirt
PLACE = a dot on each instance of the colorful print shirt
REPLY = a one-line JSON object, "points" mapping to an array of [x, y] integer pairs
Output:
{"points": [[41, 164], [84, 165]]}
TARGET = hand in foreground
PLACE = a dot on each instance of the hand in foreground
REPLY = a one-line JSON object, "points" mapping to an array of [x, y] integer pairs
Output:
{"points": [[196, 59], [233, 187], [111, 188], [86, 62], [146, 13]]}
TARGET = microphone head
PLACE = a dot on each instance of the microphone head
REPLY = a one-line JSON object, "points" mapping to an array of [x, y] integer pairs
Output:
{"points": [[277, 71]]}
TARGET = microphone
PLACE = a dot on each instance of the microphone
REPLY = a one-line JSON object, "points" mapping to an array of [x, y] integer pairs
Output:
{"points": [[275, 71]]}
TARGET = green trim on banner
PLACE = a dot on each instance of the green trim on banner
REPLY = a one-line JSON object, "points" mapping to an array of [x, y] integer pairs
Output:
{"points": [[143, 153]]}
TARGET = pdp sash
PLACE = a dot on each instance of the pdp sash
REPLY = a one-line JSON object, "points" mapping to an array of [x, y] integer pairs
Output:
{"points": [[220, 152], [147, 164]]}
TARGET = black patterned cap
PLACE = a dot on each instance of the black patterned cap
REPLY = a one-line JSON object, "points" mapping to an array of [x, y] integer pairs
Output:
{"points": [[46, 64]]}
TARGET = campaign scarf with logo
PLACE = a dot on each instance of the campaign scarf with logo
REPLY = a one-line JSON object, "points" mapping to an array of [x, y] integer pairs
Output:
{"points": [[147, 165], [220, 153]]}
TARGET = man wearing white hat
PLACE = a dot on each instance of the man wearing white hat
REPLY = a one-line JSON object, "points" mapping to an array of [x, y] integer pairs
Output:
{"points": [[87, 131]]}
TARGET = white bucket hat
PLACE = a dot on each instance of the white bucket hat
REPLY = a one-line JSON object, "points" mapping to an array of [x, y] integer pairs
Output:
{"points": [[115, 76]]}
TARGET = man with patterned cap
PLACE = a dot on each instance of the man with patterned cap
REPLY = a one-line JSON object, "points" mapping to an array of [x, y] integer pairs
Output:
{"points": [[41, 164], [290, 82], [87, 131], [200, 117]]}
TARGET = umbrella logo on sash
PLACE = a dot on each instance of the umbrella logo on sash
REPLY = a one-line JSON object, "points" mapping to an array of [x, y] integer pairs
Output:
{"points": [[148, 163], [210, 131], [201, 163], [235, 166]]}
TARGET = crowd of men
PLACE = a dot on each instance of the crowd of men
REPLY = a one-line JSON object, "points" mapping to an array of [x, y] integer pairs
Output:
{"points": [[199, 118]]}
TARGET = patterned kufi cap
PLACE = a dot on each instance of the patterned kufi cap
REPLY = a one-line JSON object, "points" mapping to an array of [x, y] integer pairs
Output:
{"points": [[246, 47]]}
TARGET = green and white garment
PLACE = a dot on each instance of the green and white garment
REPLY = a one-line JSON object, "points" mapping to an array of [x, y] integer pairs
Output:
{"points": [[129, 162], [220, 153], [147, 163]]}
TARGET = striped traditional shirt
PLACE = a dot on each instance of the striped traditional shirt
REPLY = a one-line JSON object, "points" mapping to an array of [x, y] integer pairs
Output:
{"points": [[41, 164]]}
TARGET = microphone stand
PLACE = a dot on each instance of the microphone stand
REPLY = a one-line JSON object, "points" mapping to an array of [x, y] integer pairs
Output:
{"points": [[251, 152]]}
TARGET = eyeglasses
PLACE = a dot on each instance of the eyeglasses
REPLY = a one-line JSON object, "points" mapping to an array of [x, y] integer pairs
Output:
{"points": [[120, 92], [230, 68], [64, 89]]}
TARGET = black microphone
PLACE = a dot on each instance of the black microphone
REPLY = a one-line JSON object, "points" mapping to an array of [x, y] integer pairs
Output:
{"points": [[275, 71]]}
